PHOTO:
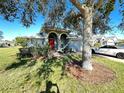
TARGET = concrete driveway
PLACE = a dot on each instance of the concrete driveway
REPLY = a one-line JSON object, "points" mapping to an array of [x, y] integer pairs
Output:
{"points": [[111, 58]]}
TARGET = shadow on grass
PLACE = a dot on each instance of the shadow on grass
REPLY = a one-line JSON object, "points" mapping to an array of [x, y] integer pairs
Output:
{"points": [[46, 68], [49, 86], [17, 64], [75, 61], [48, 64]]}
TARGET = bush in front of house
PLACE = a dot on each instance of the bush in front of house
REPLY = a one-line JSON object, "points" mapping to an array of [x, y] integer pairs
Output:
{"points": [[38, 50], [21, 41]]}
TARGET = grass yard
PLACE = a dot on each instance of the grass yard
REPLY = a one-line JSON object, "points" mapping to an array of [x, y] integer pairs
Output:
{"points": [[22, 77], [7, 56]]}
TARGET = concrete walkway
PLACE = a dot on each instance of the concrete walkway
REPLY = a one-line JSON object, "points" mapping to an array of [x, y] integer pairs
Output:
{"points": [[111, 58]]}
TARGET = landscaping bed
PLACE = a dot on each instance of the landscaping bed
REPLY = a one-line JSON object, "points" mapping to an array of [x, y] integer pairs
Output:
{"points": [[100, 74]]}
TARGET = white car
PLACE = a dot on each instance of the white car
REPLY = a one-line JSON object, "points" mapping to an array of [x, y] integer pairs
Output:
{"points": [[110, 50]]}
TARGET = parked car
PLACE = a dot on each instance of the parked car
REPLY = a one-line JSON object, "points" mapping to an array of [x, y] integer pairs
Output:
{"points": [[110, 50]]}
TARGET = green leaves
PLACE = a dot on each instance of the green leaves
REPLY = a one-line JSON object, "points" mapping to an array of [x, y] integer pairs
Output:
{"points": [[56, 12], [22, 41], [109, 7], [120, 1], [8, 9]]}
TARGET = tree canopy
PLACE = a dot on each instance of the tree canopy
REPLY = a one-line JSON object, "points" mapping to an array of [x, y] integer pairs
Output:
{"points": [[121, 25], [59, 13]]}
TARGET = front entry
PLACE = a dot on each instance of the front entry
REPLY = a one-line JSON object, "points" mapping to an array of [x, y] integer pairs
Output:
{"points": [[64, 40], [53, 41]]}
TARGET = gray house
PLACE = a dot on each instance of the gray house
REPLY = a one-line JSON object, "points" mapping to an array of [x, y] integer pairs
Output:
{"points": [[58, 39]]}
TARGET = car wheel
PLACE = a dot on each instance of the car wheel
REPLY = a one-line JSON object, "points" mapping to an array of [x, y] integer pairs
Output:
{"points": [[120, 55], [93, 52]]}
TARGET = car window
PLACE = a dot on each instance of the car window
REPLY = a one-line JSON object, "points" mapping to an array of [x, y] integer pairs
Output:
{"points": [[110, 47], [104, 47]]}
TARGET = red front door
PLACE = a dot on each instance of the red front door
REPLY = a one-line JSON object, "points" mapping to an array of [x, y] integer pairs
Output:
{"points": [[51, 43]]}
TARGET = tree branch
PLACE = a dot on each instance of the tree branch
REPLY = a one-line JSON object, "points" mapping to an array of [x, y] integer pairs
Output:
{"points": [[77, 5], [99, 4], [78, 15]]}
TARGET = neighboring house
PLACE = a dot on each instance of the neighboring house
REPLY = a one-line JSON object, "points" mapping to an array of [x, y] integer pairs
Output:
{"points": [[58, 39], [112, 40], [103, 40], [6, 43]]}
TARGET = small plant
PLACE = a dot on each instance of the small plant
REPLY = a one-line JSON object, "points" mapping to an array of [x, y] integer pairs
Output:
{"points": [[38, 50], [45, 50], [45, 69], [50, 64], [97, 44]]}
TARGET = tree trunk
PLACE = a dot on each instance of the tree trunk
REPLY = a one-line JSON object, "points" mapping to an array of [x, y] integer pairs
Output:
{"points": [[87, 38]]}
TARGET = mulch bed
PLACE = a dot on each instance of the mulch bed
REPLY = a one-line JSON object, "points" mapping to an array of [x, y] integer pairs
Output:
{"points": [[100, 73]]}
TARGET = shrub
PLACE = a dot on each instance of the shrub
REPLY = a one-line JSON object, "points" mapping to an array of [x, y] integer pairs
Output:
{"points": [[97, 44], [22, 41], [37, 50]]}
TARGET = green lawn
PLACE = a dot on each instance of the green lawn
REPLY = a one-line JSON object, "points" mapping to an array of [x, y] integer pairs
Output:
{"points": [[7, 56], [20, 77]]}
